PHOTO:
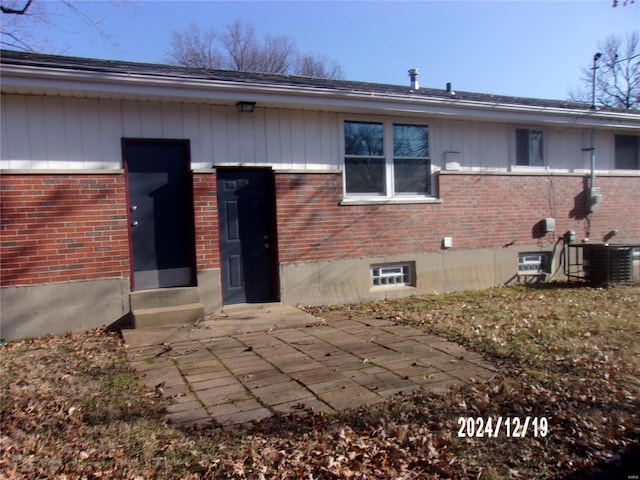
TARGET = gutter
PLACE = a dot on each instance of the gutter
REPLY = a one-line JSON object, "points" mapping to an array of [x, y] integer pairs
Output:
{"points": [[20, 79]]}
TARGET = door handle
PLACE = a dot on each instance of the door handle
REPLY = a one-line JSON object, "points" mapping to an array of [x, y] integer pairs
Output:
{"points": [[134, 223], [133, 208]]}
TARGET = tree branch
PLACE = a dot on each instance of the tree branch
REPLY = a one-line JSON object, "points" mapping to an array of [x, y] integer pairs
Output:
{"points": [[19, 44], [14, 11]]}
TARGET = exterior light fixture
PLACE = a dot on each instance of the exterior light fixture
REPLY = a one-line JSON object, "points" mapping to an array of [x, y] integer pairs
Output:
{"points": [[246, 107]]}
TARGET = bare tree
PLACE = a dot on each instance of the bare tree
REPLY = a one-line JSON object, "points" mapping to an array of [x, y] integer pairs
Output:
{"points": [[618, 74], [623, 3], [309, 65], [24, 21], [246, 53], [196, 48], [238, 48], [16, 10], [19, 19]]}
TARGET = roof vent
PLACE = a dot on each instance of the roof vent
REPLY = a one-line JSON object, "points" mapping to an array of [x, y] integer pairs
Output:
{"points": [[450, 90], [413, 75]]}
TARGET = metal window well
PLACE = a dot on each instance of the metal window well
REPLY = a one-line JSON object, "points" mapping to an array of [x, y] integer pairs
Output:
{"points": [[606, 265]]}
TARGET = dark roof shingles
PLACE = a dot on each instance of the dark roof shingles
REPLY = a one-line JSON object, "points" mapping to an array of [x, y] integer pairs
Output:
{"points": [[9, 57]]}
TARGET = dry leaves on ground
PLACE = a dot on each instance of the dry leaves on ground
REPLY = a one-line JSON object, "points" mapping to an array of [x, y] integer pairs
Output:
{"points": [[72, 408]]}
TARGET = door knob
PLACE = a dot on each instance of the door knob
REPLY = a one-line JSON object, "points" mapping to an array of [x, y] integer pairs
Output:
{"points": [[134, 223], [133, 208], [266, 245]]}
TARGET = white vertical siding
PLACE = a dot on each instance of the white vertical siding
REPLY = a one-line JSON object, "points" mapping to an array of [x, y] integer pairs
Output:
{"points": [[205, 134], [151, 119], [605, 147], [41, 132], [131, 120], [273, 151], [54, 139], [36, 133], [90, 134], [72, 132], [111, 128], [482, 146], [286, 138], [16, 142], [4, 131], [329, 146]]}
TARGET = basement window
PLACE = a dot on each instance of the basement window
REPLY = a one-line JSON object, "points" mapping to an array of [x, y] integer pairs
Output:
{"points": [[532, 263], [389, 275]]}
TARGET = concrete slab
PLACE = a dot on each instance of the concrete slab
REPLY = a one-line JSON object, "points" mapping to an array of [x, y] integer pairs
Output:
{"points": [[250, 363]]}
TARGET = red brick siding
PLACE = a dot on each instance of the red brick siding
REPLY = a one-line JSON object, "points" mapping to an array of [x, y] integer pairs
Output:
{"points": [[477, 211], [62, 227], [206, 221], [74, 227]]}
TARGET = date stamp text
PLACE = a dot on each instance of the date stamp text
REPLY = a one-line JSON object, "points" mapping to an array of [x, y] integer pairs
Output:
{"points": [[509, 427]]}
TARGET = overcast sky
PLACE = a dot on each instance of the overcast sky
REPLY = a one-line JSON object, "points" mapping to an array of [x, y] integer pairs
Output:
{"points": [[522, 48]]}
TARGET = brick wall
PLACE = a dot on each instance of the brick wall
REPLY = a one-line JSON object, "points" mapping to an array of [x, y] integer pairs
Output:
{"points": [[74, 227], [56, 228], [478, 211], [206, 221]]}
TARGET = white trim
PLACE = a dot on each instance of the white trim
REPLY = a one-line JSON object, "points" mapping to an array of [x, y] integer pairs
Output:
{"points": [[389, 201], [333, 171], [534, 168], [543, 172], [388, 158], [59, 171], [46, 80], [514, 147], [406, 270]]}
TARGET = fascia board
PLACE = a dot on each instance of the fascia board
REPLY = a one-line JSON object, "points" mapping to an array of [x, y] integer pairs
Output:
{"points": [[196, 90]]}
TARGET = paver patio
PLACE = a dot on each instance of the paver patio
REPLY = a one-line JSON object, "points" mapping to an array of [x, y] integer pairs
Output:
{"points": [[247, 364]]}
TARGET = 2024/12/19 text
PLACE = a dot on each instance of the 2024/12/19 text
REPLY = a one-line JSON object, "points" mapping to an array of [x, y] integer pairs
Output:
{"points": [[510, 427]]}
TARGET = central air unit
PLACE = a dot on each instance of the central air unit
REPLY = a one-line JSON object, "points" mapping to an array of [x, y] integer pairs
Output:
{"points": [[608, 264]]}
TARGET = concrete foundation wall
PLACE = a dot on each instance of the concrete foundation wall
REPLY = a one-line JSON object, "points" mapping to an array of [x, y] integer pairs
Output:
{"points": [[35, 310], [210, 290], [349, 280]]}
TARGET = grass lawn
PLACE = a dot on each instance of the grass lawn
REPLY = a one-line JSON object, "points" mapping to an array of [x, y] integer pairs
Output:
{"points": [[71, 407]]}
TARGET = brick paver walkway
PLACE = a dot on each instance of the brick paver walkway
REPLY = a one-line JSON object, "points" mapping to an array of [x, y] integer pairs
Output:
{"points": [[246, 365]]}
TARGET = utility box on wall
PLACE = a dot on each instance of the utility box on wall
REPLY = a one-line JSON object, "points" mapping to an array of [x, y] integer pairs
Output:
{"points": [[549, 225], [594, 199]]}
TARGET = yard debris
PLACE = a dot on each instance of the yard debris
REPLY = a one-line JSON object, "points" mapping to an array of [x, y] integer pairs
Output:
{"points": [[72, 408], [165, 348]]}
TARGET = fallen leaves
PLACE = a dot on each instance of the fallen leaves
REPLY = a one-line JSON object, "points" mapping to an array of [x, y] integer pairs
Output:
{"points": [[71, 407]]}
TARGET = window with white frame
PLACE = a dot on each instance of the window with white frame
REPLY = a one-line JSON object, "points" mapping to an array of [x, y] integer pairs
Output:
{"points": [[372, 169], [529, 147], [389, 275], [532, 263], [627, 152]]}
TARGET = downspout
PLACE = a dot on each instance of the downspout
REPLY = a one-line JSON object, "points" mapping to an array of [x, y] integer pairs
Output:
{"points": [[592, 183], [596, 57], [593, 195]]}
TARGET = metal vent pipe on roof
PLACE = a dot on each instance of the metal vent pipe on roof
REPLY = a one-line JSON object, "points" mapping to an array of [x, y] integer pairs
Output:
{"points": [[413, 75]]}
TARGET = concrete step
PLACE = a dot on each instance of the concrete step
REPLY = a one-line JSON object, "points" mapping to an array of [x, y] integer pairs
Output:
{"points": [[163, 297], [167, 315], [239, 307]]}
